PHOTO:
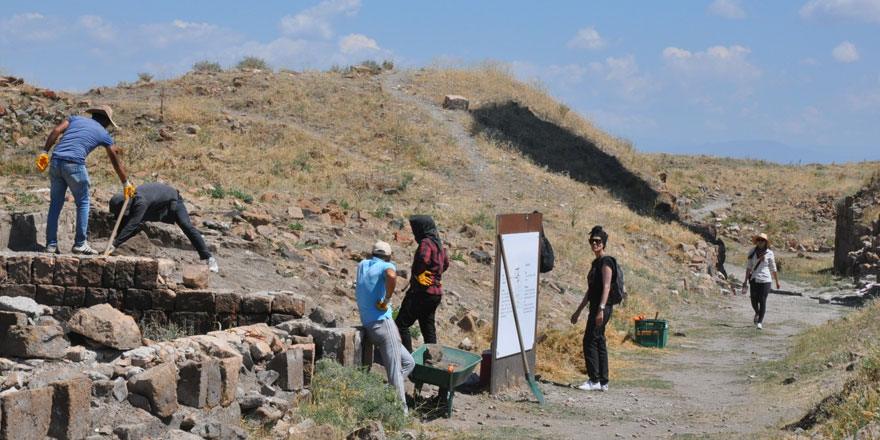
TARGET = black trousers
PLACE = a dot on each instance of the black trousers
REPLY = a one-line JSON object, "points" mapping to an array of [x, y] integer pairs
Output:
{"points": [[181, 219], [417, 306], [595, 351], [760, 292]]}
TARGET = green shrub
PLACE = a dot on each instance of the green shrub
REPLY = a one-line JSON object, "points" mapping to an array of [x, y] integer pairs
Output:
{"points": [[387, 65], [404, 181], [252, 62], [145, 77], [372, 65], [296, 226], [243, 196], [349, 397], [207, 66]]}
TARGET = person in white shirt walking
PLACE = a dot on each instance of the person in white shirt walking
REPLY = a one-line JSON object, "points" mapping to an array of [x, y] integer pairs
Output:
{"points": [[760, 273]]}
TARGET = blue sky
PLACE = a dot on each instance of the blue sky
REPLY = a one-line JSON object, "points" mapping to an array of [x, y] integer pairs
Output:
{"points": [[785, 80]]}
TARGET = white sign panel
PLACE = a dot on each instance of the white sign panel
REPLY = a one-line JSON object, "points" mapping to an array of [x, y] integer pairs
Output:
{"points": [[522, 255]]}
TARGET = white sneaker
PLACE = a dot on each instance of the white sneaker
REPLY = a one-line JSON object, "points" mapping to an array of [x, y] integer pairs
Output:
{"points": [[85, 249], [212, 265], [52, 250], [758, 326], [590, 386], [603, 387]]}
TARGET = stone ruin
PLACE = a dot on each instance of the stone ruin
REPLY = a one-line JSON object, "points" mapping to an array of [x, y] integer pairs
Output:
{"points": [[76, 366], [856, 238]]}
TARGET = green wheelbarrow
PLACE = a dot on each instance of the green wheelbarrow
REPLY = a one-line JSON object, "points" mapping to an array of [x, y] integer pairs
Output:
{"points": [[463, 363]]}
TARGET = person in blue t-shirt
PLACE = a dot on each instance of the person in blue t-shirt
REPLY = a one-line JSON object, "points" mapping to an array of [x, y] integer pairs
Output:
{"points": [[376, 280], [67, 169]]}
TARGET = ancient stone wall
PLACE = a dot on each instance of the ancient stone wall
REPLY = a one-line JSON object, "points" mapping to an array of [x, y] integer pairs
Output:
{"points": [[857, 239]]}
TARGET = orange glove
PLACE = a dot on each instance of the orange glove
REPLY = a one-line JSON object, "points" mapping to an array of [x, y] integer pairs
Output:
{"points": [[43, 162], [128, 190], [382, 305], [425, 278]]}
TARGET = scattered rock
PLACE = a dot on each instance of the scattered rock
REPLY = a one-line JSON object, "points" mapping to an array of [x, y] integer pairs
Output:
{"points": [[195, 276], [24, 305], [455, 102], [35, 341], [107, 326]]}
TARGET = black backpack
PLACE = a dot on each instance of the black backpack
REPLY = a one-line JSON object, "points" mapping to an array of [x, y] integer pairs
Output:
{"points": [[547, 258], [618, 292]]}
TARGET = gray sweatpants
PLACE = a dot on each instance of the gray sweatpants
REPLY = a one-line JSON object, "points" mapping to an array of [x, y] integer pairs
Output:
{"points": [[397, 361]]}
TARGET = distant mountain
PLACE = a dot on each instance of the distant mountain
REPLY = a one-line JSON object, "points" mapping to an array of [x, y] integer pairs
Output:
{"points": [[773, 151]]}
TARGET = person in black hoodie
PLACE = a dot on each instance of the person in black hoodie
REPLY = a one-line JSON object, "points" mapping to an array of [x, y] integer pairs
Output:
{"points": [[425, 287], [157, 202]]}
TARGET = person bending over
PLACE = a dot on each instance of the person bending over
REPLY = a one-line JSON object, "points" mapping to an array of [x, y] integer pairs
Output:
{"points": [[157, 202]]}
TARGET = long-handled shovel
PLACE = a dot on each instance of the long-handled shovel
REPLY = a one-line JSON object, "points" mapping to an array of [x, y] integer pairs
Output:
{"points": [[116, 227], [530, 378]]}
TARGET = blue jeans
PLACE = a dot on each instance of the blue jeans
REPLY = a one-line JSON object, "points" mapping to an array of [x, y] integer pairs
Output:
{"points": [[63, 175]]}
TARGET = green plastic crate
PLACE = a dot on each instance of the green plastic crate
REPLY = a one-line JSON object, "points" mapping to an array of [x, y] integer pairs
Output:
{"points": [[651, 332]]}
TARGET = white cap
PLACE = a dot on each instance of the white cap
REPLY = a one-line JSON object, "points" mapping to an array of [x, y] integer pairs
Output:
{"points": [[381, 249]]}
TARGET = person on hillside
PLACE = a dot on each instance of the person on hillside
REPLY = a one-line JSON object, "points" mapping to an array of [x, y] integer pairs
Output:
{"points": [[376, 280], [760, 272], [599, 286], [425, 287], [67, 169], [157, 202]]}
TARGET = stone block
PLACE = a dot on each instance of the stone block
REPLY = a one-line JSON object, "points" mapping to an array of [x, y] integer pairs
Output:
{"points": [[227, 302], [289, 365], [95, 295], [256, 303], [9, 319], [289, 305], [195, 276], [108, 278], [26, 414], [18, 269], [43, 270], [163, 299], [229, 369], [107, 326], [455, 102], [110, 389], [308, 361], [341, 344], [278, 318], [14, 290], [62, 313], [194, 301], [226, 320], [137, 299], [70, 409], [35, 341], [50, 295], [91, 272], [200, 384], [200, 322], [146, 274], [74, 296], [159, 386], [262, 318], [66, 271], [124, 273]]}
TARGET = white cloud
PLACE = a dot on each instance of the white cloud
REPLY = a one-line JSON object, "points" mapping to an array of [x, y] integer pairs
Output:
{"points": [[95, 26], [189, 34], [810, 61], [316, 20], [717, 62], [845, 52], [30, 27], [846, 10], [727, 9], [587, 38], [631, 84], [357, 43]]}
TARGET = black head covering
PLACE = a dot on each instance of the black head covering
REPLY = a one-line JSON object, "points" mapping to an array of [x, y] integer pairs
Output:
{"points": [[116, 203], [423, 227], [598, 232]]}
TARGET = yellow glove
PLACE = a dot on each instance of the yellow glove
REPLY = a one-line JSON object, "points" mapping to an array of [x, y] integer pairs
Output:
{"points": [[128, 190], [382, 305], [43, 162], [425, 278]]}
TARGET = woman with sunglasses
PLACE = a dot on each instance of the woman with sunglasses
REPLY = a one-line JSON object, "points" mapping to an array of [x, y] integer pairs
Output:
{"points": [[599, 282], [760, 272]]}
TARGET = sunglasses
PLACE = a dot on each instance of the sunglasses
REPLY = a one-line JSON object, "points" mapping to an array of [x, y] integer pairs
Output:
{"points": [[595, 240], [760, 240]]}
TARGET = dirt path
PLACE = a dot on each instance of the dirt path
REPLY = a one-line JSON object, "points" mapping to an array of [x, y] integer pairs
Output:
{"points": [[699, 386]]}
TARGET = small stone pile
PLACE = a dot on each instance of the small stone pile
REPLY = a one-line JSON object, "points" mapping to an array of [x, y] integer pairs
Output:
{"points": [[29, 110]]}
